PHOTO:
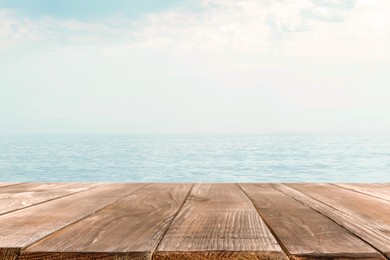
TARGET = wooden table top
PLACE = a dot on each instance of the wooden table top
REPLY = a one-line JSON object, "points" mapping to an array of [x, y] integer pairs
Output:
{"points": [[194, 221]]}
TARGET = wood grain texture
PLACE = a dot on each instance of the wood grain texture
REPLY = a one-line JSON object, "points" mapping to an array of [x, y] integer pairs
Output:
{"points": [[26, 194], [217, 255], [133, 225], [363, 215], [304, 232], [218, 220], [378, 190], [24, 227], [9, 253], [85, 256]]}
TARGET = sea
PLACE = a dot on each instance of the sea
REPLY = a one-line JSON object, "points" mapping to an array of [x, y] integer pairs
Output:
{"points": [[195, 158]]}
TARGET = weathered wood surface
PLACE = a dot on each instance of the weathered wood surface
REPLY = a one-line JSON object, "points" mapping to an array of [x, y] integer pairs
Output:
{"points": [[26, 194], [365, 216], [218, 220], [378, 190], [24, 227], [302, 231], [193, 221], [132, 226], [8, 183]]}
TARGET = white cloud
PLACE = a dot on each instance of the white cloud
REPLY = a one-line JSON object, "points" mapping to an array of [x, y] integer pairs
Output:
{"points": [[245, 65], [14, 30], [321, 13], [287, 18], [340, 4], [322, 27]]}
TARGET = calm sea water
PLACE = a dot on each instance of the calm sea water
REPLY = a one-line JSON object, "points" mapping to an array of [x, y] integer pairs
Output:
{"points": [[191, 158]]}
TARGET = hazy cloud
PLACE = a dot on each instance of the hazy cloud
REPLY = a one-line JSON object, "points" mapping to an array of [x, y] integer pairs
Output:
{"points": [[243, 66], [14, 30], [339, 4], [291, 26], [323, 13], [287, 24]]}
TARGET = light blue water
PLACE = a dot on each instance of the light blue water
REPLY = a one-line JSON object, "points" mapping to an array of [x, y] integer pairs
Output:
{"points": [[213, 158]]}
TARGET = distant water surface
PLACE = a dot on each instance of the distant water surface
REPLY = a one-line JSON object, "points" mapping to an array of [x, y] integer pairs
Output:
{"points": [[195, 158]]}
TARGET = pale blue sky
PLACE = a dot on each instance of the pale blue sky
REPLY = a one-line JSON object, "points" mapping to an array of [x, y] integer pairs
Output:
{"points": [[187, 66], [88, 9]]}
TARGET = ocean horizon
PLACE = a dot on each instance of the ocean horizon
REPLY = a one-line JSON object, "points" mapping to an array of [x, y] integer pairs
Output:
{"points": [[195, 158]]}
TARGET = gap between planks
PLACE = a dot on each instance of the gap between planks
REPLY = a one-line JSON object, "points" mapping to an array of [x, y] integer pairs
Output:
{"points": [[211, 254], [364, 190], [127, 229], [177, 213], [54, 197], [304, 232], [354, 222], [218, 221], [266, 223], [27, 226]]}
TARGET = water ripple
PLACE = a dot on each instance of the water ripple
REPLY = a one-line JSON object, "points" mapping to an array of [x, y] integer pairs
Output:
{"points": [[295, 158]]}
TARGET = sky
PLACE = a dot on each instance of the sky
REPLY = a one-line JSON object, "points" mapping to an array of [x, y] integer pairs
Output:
{"points": [[195, 66]]}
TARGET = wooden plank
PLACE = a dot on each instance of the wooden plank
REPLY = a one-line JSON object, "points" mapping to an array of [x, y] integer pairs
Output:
{"points": [[86, 256], [378, 190], [26, 194], [218, 221], [365, 216], [2, 184], [305, 233], [24, 227], [132, 226]]}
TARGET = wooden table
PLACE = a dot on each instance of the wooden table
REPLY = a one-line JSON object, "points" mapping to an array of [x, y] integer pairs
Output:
{"points": [[194, 221]]}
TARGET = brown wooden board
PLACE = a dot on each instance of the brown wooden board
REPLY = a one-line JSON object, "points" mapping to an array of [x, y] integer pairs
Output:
{"points": [[218, 221], [377, 190], [85, 256], [127, 229], [24, 227], [8, 183], [26, 194], [305, 233], [363, 215]]}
